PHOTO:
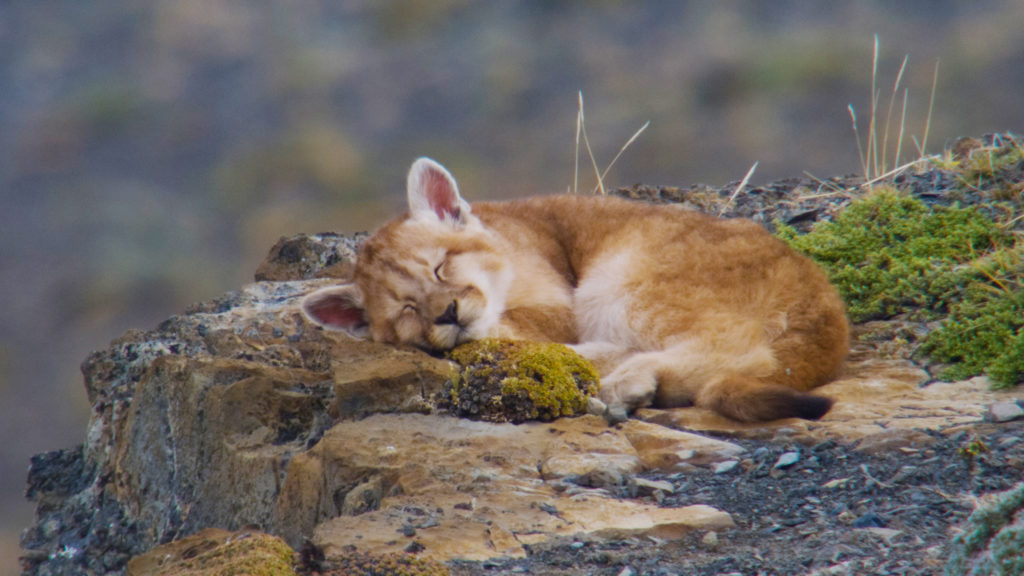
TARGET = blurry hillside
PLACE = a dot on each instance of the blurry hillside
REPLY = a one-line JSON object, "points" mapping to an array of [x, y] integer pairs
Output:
{"points": [[151, 152]]}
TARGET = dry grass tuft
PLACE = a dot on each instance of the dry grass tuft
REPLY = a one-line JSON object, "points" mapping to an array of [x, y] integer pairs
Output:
{"points": [[873, 157], [581, 130]]}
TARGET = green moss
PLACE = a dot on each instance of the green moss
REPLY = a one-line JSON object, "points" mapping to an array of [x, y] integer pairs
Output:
{"points": [[984, 331], [991, 162], [505, 380], [890, 254]]}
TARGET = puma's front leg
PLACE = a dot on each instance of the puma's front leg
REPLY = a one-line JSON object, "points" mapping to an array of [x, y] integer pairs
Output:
{"points": [[629, 386]]}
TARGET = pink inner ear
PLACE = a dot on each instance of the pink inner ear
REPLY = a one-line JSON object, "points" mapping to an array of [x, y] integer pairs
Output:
{"points": [[337, 312], [440, 194]]}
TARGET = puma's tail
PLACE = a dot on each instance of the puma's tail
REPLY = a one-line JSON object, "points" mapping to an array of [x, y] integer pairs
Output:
{"points": [[752, 400]]}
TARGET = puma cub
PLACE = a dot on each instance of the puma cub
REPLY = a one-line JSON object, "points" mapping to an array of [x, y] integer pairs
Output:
{"points": [[674, 308]]}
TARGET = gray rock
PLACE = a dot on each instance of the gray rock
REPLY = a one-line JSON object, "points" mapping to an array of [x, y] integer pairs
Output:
{"points": [[646, 487], [726, 466], [787, 460], [1005, 411]]}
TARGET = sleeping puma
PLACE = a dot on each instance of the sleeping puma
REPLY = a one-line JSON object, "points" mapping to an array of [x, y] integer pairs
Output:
{"points": [[674, 308]]}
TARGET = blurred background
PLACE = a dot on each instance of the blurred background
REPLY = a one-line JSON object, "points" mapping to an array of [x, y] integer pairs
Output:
{"points": [[151, 152]]}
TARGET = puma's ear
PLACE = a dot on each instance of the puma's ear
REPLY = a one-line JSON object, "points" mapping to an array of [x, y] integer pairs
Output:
{"points": [[337, 308], [433, 193]]}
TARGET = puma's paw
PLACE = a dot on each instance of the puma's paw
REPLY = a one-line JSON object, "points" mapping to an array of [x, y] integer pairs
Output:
{"points": [[629, 387]]}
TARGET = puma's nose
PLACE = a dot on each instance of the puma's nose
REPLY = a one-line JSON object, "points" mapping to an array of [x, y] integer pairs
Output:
{"points": [[450, 316]]}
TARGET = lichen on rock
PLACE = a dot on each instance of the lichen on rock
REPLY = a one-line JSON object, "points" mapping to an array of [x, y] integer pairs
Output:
{"points": [[992, 543], [505, 380], [215, 552], [358, 563]]}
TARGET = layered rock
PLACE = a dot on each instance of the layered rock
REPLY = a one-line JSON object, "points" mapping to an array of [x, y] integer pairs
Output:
{"points": [[240, 413]]}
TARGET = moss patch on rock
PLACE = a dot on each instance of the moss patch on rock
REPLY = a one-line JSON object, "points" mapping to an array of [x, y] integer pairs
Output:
{"points": [[214, 552], [514, 381], [891, 254]]}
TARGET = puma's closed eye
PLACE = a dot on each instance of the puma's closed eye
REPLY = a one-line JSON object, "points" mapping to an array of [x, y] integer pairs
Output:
{"points": [[439, 272]]}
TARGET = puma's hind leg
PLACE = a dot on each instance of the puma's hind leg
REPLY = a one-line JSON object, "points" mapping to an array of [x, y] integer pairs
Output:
{"points": [[738, 386], [755, 400]]}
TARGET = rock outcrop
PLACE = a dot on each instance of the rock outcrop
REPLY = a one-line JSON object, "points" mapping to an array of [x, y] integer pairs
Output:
{"points": [[239, 415]]}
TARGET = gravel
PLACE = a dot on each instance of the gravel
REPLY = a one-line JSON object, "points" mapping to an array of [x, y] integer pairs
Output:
{"points": [[836, 509]]}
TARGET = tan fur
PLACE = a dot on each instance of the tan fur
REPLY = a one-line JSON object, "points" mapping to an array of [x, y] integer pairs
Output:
{"points": [[674, 307]]}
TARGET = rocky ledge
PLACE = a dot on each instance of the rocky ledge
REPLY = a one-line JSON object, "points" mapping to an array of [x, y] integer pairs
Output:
{"points": [[239, 428]]}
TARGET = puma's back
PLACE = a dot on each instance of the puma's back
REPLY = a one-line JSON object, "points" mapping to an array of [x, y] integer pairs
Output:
{"points": [[673, 306]]}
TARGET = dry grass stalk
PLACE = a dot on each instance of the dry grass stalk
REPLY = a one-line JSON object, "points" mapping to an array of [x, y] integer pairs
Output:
{"points": [[888, 115], [623, 149], [931, 105], [586, 142], [872, 132], [741, 186], [581, 130]]}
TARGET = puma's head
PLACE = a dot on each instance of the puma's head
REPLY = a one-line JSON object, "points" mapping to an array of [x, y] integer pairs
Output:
{"points": [[433, 278]]}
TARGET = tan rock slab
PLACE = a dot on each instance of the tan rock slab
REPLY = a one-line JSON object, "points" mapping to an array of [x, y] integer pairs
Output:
{"points": [[475, 490], [873, 397], [500, 525], [661, 448]]}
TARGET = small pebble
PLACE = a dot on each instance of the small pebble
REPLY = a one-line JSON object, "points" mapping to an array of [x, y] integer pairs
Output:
{"points": [[710, 540], [904, 473], [646, 487], [415, 547], [549, 508], [1005, 411], [869, 520], [787, 460], [627, 571], [616, 415], [723, 467], [1008, 441], [407, 530]]}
